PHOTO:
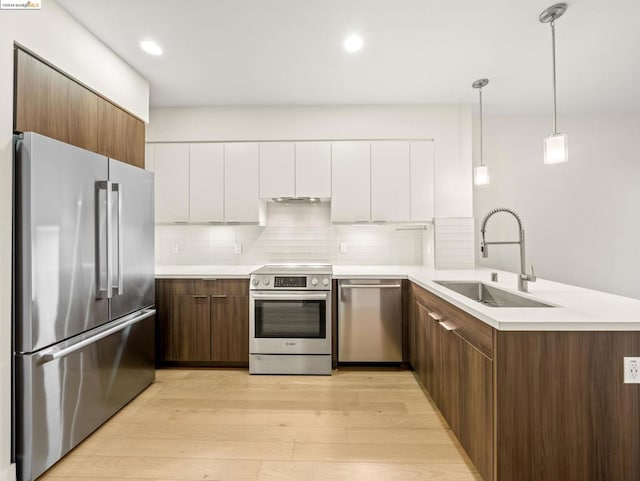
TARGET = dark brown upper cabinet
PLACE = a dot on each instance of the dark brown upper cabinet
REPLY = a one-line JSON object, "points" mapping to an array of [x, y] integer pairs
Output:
{"points": [[53, 104]]}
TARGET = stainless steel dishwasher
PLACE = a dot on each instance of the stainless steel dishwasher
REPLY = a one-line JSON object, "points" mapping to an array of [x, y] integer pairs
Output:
{"points": [[370, 320]]}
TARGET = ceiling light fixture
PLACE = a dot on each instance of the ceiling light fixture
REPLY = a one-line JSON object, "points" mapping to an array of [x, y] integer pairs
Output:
{"points": [[151, 47], [555, 146], [481, 172], [353, 43]]}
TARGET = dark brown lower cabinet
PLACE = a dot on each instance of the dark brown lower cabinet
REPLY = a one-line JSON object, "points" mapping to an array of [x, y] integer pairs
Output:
{"points": [[457, 375], [529, 406], [189, 330], [202, 322], [230, 328], [472, 408]]}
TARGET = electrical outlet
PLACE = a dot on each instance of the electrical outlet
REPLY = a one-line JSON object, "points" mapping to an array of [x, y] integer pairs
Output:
{"points": [[175, 248], [632, 370], [343, 248], [237, 248]]}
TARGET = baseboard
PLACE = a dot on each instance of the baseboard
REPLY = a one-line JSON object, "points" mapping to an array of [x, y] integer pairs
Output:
{"points": [[8, 473]]}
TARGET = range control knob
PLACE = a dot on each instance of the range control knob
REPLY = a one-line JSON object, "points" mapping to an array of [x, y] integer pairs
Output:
{"points": [[255, 281], [314, 282], [325, 282], [266, 281]]}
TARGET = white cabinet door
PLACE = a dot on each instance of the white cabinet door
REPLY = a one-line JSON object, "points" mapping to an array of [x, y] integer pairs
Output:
{"points": [[277, 177], [350, 181], [422, 181], [172, 182], [313, 169], [241, 197], [206, 181], [390, 181]]}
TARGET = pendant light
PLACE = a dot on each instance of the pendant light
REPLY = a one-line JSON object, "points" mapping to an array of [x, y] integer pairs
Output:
{"points": [[481, 172], [555, 146]]}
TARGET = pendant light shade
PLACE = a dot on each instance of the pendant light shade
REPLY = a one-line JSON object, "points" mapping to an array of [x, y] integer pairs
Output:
{"points": [[481, 175], [555, 146], [555, 149], [480, 172]]}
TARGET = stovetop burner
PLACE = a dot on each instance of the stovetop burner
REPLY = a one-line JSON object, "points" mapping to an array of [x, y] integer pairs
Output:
{"points": [[293, 269]]}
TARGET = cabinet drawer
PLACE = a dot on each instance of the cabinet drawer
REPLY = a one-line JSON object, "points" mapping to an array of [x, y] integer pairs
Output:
{"points": [[474, 331], [207, 287], [229, 287]]}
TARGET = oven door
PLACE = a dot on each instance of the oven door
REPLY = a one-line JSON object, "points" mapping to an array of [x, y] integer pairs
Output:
{"points": [[290, 322]]}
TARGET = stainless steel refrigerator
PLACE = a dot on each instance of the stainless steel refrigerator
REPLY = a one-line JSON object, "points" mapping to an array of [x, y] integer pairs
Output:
{"points": [[83, 296]]}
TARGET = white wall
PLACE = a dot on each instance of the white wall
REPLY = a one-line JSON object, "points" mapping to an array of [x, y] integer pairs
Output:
{"points": [[449, 125], [58, 38], [581, 218]]}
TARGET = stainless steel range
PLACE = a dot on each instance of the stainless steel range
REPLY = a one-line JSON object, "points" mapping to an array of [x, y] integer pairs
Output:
{"points": [[290, 319]]}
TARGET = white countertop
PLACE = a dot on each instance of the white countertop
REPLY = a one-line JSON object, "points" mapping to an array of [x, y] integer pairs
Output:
{"points": [[202, 272], [578, 309]]}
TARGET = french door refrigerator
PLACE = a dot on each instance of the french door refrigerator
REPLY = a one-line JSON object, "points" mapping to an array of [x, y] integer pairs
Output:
{"points": [[83, 295]]}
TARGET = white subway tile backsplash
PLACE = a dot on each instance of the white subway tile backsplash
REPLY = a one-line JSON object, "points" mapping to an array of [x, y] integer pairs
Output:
{"points": [[454, 243], [293, 233]]}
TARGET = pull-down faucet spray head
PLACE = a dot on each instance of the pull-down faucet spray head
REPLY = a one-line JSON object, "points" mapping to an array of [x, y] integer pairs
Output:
{"points": [[484, 248]]}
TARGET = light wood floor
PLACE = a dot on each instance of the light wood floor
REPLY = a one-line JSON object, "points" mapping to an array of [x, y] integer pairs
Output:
{"points": [[226, 425]]}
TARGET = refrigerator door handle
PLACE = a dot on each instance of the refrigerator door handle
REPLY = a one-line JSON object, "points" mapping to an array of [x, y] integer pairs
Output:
{"points": [[52, 355], [118, 288], [103, 256]]}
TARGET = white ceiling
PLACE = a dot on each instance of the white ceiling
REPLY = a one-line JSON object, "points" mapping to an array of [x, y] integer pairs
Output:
{"points": [[289, 52]]}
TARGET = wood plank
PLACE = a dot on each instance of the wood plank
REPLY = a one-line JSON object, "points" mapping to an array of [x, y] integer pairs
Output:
{"points": [[355, 419], [278, 404], [156, 468], [356, 471], [186, 449], [226, 432], [395, 435], [438, 453]]}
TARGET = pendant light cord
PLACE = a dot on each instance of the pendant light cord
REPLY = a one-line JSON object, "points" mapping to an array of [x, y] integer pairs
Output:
{"points": [[553, 56], [481, 146]]}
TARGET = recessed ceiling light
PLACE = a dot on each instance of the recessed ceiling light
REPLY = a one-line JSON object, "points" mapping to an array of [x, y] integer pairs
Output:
{"points": [[353, 43], [151, 47]]}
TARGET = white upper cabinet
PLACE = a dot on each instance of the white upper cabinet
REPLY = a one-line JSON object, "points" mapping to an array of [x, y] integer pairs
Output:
{"points": [[277, 169], [171, 164], [422, 181], [290, 169], [390, 181], [241, 189], [206, 180], [350, 181], [313, 169]]}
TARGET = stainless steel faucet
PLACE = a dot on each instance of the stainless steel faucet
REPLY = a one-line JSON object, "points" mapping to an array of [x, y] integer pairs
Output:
{"points": [[523, 277]]}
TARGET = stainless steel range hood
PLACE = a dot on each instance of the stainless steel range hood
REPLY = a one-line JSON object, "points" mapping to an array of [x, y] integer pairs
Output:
{"points": [[297, 200]]}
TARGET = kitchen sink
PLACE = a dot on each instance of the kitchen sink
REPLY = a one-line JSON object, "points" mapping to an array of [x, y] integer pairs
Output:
{"points": [[489, 295]]}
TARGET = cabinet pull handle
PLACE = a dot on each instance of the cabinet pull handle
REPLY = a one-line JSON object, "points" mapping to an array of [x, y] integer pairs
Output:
{"points": [[435, 316], [447, 326], [218, 296], [201, 296], [209, 278]]}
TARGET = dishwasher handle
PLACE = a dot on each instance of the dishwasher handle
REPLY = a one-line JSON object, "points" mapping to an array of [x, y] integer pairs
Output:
{"points": [[370, 286]]}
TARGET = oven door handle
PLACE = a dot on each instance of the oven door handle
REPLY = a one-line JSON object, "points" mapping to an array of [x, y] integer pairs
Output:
{"points": [[292, 297]]}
